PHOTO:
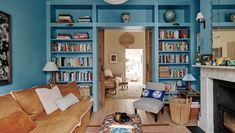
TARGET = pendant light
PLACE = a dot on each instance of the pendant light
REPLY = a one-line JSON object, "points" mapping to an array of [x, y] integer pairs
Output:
{"points": [[115, 2]]}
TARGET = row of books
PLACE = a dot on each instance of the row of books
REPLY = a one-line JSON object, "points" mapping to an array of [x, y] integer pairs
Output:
{"points": [[73, 76], [166, 72], [173, 46], [173, 34], [70, 47], [76, 35], [174, 58], [72, 62], [67, 18]]}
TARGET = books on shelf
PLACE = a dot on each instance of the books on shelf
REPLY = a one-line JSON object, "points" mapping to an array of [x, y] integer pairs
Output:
{"points": [[63, 36], [77, 35], [164, 72], [65, 18], [167, 72], [174, 58], [71, 47], [85, 19], [72, 61], [65, 76], [173, 33], [81, 35], [173, 46]]}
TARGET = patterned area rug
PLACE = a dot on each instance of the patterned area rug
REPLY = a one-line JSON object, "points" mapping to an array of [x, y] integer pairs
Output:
{"points": [[133, 92], [147, 128]]}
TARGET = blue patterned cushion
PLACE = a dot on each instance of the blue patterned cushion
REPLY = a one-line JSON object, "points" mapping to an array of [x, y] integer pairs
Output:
{"points": [[153, 94]]}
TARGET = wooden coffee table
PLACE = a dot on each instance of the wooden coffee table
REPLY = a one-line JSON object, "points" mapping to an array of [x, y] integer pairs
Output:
{"points": [[124, 85]]}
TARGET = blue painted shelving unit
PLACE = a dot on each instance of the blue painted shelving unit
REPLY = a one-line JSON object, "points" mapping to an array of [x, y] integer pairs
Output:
{"points": [[143, 14]]}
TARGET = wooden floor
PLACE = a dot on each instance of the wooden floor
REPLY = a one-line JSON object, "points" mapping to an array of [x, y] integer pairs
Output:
{"points": [[126, 105]]}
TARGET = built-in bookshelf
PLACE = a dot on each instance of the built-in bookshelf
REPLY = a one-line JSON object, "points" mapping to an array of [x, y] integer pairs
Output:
{"points": [[174, 48], [71, 42]]}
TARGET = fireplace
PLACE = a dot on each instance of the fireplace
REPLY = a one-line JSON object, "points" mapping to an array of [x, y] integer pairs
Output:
{"points": [[224, 106]]}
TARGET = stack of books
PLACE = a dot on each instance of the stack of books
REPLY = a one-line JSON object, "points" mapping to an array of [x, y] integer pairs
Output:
{"points": [[63, 36], [84, 19], [164, 72], [65, 18], [81, 35]]}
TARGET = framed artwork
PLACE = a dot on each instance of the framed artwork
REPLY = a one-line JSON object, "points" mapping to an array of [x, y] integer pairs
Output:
{"points": [[5, 53], [113, 58]]}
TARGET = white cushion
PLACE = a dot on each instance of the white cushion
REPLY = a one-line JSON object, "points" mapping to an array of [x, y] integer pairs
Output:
{"points": [[149, 104], [48, 98], [66, 101], [108, 73]]}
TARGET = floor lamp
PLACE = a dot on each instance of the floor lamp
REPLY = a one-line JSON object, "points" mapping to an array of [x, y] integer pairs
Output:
{"points": [[51, 67]]}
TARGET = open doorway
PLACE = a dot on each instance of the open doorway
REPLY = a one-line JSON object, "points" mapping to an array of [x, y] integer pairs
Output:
{"points": [[134, 65], [110, 46]]}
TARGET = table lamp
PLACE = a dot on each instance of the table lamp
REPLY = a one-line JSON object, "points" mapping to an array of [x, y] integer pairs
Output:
{"points": [[189, 77], [51, 67]]}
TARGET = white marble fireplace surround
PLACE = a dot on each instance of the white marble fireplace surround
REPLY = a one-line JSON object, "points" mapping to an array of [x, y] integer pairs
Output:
{"points": [[208, 74]]}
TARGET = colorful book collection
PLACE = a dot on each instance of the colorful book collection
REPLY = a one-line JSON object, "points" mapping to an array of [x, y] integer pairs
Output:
{"points": [[174, 58], [69, 47], [72, 62], [173, 34], [173, 46], [65, 76], [77, 35]]}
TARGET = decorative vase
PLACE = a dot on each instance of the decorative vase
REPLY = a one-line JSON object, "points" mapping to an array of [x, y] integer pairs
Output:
{"points": [[169, 16], [125, 17]]}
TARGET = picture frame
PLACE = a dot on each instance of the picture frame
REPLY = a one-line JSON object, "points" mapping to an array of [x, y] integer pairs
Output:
{"points": [[5, 45], [113, 58]]}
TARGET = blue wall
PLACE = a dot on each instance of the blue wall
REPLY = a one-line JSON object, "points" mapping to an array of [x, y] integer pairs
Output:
{"points": [[206, 34], [28, 42]]}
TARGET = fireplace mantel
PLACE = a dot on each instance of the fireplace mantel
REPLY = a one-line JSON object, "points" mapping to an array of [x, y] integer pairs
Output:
{"points": [[207, 75]]}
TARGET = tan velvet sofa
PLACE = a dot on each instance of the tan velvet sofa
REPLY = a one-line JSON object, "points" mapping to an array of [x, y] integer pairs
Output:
{"points": [[74, 119]]}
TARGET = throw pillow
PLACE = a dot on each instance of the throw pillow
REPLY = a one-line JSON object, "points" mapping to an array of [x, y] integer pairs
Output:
{"points": [[108, 73], [67, 101], [70, 88], [48, 98], [153, 94], [16, 122]]}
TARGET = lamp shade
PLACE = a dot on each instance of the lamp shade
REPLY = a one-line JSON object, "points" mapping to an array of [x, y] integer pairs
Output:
{"points": [[189, 77], [50, 67], [115, 2], [200, 16]]}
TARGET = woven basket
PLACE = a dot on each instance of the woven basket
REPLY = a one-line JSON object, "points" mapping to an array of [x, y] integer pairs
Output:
{"points": [[180, 110]]}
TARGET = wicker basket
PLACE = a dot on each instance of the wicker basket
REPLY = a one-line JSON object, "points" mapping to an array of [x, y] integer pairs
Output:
{"points": [[180, 110]]}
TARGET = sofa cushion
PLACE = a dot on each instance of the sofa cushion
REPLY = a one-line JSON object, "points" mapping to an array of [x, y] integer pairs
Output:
{"points": [[63, 122], [66, 101], [17, 122], [65, 89], [8, 105], [29, 101], [48, 98]]}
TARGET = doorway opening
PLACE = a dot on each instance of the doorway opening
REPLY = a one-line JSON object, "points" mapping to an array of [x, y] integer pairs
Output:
{"points": [[134, 65]]}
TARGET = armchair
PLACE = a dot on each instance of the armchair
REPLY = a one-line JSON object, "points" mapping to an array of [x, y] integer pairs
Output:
{"points": [[110, 83], [151, 104]]}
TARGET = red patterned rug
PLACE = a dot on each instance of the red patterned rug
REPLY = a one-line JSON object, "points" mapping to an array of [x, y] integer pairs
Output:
{"points": [[147, 128]]}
